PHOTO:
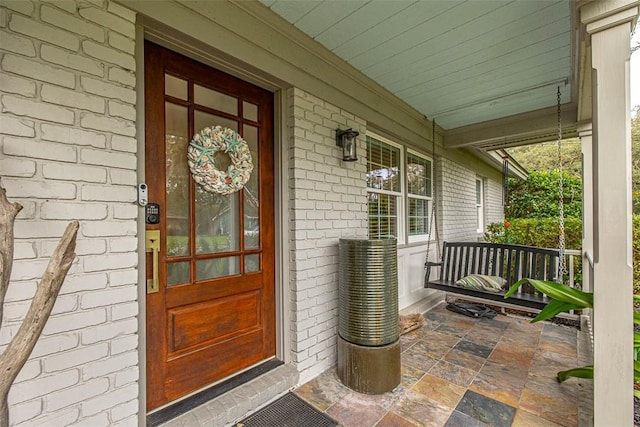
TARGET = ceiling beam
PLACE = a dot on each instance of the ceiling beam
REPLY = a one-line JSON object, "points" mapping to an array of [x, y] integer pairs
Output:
{"points": [[526, 126]]}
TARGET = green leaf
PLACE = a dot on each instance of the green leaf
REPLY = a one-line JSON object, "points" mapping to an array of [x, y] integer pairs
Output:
{"points": [[636, 370], [636, 297], [584, 372], [636, 317], [557, 291], [636, 393], [552, 309], [515, 287]]}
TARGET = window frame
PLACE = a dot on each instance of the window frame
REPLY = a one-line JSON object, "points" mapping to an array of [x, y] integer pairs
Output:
{"points": [[480, 206], [403, 196], [418, 237], [400, 202]]}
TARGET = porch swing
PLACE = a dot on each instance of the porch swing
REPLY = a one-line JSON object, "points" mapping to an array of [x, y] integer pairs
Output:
{"points": [[485, 271]]}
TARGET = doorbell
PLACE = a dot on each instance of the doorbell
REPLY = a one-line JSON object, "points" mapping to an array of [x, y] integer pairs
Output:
{"points": [[143, 198]]}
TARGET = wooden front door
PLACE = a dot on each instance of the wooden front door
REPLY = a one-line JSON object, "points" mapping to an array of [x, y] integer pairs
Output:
{"points": [[213, 314]]}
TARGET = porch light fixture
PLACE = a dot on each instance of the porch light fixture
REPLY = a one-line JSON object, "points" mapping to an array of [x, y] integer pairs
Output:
{"points": [[347, 140]]}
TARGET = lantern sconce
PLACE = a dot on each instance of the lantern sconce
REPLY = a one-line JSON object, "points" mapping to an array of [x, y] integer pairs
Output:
{"points": [[347, 140]]}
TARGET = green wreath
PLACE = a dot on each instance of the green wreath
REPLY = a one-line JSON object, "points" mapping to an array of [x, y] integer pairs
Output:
{"points": [[200, 156]]}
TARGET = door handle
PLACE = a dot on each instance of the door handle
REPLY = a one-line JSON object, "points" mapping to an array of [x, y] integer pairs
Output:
{"points": [[152, 244]]}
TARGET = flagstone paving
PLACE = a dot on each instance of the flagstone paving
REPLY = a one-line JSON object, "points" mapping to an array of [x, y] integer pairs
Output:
{"points": [[460, 371]]}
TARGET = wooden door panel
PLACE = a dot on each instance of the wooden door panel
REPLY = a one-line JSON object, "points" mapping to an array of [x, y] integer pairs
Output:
{"points": [[202, 324], [176, 297], [184, 377], [214, 313]]}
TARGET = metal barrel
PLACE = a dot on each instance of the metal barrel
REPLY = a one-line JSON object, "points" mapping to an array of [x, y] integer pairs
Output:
{"points": [[368, 291]]}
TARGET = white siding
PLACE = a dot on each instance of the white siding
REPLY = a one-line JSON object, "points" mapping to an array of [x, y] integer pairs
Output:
{"points": [[67, 151], [328, 199]]}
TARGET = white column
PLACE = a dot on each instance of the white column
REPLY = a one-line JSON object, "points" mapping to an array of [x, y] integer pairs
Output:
{"points": [[585, 134], [609, 24]]}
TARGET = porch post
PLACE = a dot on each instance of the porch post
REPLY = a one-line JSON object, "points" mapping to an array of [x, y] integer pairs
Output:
{"points": [[585, 133], [609, 24]]}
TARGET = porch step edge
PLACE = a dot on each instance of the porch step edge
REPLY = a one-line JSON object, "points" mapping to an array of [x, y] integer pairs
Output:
{"points": [[234, 405]]}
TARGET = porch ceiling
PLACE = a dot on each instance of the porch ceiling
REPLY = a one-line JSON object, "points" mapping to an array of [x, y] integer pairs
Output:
{"points": [[463, 63]]}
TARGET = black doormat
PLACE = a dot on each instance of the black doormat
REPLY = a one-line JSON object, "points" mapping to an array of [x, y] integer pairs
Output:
{"points": [[288, 411]]}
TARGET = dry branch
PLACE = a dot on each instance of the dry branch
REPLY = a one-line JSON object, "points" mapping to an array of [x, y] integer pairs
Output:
{"points": [[8, 213], [19, 349]]}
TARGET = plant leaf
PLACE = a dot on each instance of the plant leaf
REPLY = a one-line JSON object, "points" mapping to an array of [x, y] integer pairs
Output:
{"points": [[557, 291], [515, 287], [553, 308], [636, 393], [636, 317], [636, 370], [584, 372]]}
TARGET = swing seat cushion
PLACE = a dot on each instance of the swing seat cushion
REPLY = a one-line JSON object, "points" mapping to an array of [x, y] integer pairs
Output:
{"points": [[482, 282]]}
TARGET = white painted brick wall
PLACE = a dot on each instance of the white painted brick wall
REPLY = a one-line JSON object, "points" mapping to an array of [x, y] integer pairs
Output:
{"points": [[494, 209], [328, 201], [457, 194], [67, 151]]}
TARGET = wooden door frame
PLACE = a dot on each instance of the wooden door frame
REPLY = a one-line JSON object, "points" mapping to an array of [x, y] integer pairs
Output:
{"points": [[281, 209]]}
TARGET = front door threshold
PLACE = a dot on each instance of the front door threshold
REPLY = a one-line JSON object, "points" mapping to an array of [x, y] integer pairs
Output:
{"points": [[230, 400]]}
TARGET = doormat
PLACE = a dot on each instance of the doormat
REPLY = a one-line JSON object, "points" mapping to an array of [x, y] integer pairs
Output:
{"points": [[288, 411]]}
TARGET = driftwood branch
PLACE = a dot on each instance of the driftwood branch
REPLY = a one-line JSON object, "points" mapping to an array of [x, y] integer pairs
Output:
{"points": [[8, 213], [19, 349]]}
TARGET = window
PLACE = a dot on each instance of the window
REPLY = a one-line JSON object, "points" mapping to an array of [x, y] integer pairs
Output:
{"points": [[480, 205], [390, 190], [418, 195], [384, 181]]}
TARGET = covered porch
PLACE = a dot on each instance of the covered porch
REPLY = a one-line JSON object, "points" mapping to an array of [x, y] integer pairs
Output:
{"points": [[434, 88]]}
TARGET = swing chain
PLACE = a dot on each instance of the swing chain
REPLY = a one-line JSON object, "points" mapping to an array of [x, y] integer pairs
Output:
{"points": [[433, 195], [562, 267]]}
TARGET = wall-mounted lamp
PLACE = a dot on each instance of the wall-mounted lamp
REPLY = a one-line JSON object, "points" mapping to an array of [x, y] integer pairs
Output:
{"points": [[347, 140]]}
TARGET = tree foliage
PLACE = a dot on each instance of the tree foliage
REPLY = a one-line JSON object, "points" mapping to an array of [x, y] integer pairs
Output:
{"points": [[540, 232], [538, 196], [544, 157]]}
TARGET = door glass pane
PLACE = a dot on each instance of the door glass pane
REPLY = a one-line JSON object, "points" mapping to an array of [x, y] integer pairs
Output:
{"points": [[216, 100], [177, 180], [252, 192], [250, 111], [251, 263], [217, 222], [217, 267], [178, 273], [202, 120], [173, 86]]}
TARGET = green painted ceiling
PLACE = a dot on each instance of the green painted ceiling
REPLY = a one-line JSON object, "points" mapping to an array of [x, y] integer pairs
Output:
{"points": [[462, 62]]}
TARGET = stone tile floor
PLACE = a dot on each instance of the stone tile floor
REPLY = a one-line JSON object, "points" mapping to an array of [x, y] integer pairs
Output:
{"points": [[460, 371]]}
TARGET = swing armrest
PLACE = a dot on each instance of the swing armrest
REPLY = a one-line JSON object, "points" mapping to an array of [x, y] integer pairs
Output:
{"points": [[433, 264]]}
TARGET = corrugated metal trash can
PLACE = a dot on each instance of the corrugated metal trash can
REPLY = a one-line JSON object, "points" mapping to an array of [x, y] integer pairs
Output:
{"points": [[368, 322]]}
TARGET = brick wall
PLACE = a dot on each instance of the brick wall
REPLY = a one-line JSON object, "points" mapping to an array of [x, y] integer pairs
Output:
{"points": [[456, 187], [68, 151], [328, 201], [494, 209]]}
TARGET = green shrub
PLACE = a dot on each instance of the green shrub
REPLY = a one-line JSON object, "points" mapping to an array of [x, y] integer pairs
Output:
{"points": [[539, 232], [537, 196], [636, 254]]}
